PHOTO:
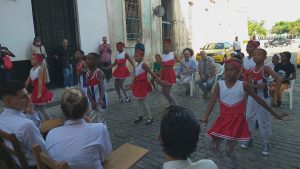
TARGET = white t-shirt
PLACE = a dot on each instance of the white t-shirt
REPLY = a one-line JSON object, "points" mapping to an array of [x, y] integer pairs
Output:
{"points": [[236, 45], [248, 63], [187, 164]]}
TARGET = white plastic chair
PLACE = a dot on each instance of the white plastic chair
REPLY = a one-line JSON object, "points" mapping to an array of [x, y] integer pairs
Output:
{"points": [[289, 92], [219, 74], [192, 83]]}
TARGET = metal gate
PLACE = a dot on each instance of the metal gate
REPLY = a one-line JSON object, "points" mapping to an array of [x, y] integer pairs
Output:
{"points": [[53, 21]]}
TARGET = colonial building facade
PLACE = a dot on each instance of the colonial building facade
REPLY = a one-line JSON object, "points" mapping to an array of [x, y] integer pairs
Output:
{"points": [[84, 23]]}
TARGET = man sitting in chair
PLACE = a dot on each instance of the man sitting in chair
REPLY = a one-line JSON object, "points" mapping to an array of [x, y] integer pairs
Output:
{"points": [[179, 135], [183, 77], [207, 73], [16, 100]]}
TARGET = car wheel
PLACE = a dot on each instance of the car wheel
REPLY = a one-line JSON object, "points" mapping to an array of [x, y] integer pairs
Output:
{"points": [[298, 66]]}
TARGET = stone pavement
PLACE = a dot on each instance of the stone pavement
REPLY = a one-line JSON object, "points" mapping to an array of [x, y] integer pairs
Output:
{"points": [[285, 141]]}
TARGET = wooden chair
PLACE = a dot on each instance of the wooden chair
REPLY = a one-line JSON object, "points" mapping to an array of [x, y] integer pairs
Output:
{"points": [[125, 157], [46, 126], [44, 161], [15, 151]]}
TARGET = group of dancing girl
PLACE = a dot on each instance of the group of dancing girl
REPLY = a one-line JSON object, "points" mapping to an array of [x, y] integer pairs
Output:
{"points": [[243, 93]]}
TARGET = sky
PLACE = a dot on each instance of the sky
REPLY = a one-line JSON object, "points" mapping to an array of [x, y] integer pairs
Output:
{"points": [[273, 10]]}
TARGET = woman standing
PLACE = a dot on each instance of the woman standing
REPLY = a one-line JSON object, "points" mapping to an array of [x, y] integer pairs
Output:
{"points": [[38, 48]]}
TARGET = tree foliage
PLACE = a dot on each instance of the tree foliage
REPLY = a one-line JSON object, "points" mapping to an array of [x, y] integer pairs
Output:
{"points": [[282, 27], [256, 28]]}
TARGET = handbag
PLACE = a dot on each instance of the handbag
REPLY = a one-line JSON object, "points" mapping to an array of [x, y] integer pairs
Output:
{"points": [[7, 64]]}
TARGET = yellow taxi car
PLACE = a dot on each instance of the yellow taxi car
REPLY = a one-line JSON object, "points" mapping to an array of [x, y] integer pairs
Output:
{"points": [[298, 58], [219, 51]]}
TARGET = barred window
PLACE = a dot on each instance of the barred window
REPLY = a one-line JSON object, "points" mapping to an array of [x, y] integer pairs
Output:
{"points": [[133, 19]]}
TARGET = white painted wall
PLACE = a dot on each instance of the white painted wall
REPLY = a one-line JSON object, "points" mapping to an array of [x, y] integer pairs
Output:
{"points": [[93, 23], [16, 28]]}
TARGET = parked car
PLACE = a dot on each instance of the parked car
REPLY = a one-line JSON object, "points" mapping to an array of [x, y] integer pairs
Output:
{"points": [[278, 42], [220, 51]]}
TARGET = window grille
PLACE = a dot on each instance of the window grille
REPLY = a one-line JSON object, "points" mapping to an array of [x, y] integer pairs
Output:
{"points": [[133, 19]]}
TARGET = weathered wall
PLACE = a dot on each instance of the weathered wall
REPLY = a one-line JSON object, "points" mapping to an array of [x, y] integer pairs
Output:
{"points": [[150, 27], [181, 25]]}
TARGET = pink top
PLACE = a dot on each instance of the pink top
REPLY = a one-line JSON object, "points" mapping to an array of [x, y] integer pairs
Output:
{"points": [[105, 52]]}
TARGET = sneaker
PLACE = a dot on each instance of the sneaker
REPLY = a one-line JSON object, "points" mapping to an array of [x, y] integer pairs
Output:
{"points": [[127, 100], [170, 107], [138, 119], [266, 150], [246, 144], [120, 100], [149, 121]]}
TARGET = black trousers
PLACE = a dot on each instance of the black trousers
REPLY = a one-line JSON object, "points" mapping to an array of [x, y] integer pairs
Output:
{"points": [[107, 72]]}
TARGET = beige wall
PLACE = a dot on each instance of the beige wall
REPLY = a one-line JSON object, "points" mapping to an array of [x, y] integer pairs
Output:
{"points": [[150, 27], [181, 27]]}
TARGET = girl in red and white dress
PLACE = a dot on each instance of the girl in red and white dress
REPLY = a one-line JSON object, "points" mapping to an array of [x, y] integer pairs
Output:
{"points": [[167, 72], [231, 123], [96, 91], [40, 95], [141, 86], [121, 72]]}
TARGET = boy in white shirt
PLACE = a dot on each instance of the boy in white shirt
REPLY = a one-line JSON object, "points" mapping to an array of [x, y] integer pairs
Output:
{"points": [[16, 100]]}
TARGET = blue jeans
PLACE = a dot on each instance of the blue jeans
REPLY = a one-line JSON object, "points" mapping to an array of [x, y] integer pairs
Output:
{"points": [[205, 85], [68, 76]]}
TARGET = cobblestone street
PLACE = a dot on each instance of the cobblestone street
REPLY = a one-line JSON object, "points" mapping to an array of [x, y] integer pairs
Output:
{"points": [[285, 144]]}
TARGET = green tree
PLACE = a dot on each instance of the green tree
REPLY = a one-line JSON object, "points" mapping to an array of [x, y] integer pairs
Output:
{"points": [[257, 28], [292, 28], [281, 27], [295, 30]]}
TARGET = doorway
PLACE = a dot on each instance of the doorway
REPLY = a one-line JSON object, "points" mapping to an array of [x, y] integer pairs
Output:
{"points": [[53, 21]]}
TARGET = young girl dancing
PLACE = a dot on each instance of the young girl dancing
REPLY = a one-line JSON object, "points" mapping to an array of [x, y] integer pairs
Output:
{"points": [[121, 72], [40, 95], [168, 73], [81, 70], [231, 123], [141, 86], [96, 88]]}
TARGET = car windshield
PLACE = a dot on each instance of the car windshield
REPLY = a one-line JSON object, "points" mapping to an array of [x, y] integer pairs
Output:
{"points": [[215, 46]]}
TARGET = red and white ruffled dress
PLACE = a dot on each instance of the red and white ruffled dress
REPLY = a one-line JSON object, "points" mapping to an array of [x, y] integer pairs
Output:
{"points": [[46, 96], [167, 72], [141, 86], [231, 123], [121, 72]]}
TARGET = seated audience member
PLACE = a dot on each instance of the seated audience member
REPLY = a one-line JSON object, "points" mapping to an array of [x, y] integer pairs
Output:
{"points": [[179, 134], [184, 77], [287, 71], [207, 73], [16, 100], [81, 144], [275, 60]]}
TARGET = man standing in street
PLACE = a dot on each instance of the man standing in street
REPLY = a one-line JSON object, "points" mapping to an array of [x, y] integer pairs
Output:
{"points": [[236, 45], [207, 72], [105, 58], [64, 56]]}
